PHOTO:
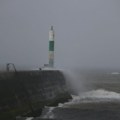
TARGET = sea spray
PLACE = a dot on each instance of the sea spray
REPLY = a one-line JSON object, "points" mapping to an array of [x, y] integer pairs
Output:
{"points": [[75, 82]]}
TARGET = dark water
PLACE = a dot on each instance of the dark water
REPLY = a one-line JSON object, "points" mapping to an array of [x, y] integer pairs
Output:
{"points": [[99, 99]]}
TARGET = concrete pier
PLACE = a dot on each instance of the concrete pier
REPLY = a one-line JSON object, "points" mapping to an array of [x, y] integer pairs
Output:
{"points": [[25, 93]]}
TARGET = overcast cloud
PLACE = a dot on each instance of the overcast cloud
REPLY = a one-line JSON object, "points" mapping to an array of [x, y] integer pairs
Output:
{"points": [[87, 32]]}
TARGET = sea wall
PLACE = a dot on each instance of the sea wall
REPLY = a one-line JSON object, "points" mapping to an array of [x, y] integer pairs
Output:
{"points": [[25, 93]]}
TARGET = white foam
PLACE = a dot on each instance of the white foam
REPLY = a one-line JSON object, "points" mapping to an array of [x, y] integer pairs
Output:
{"points": [[99, 95], [60, 105], [102, 94], [29, 118], [49, 113]]}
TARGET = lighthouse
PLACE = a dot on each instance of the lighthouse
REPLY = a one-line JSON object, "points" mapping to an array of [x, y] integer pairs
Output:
{"points": [[51, 47]]}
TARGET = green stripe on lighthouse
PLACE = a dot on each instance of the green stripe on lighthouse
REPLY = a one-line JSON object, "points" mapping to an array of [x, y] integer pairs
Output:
{"points": [[51, 45]]}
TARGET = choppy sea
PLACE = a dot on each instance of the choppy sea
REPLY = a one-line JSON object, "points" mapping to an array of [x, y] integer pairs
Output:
{"points": [[98, 99]]}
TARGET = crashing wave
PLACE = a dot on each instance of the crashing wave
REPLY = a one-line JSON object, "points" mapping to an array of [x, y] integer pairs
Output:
{"points": [[99, 95]]}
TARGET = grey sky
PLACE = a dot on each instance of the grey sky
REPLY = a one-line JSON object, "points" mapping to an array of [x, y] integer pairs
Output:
{"points": [[87, 32]]}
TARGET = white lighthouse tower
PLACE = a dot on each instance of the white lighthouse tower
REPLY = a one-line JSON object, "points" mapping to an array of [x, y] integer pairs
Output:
{"points": [[51, 47]]}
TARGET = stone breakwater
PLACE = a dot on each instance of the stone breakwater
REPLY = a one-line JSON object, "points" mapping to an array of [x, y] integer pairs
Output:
{"points": [[25, 93]]}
